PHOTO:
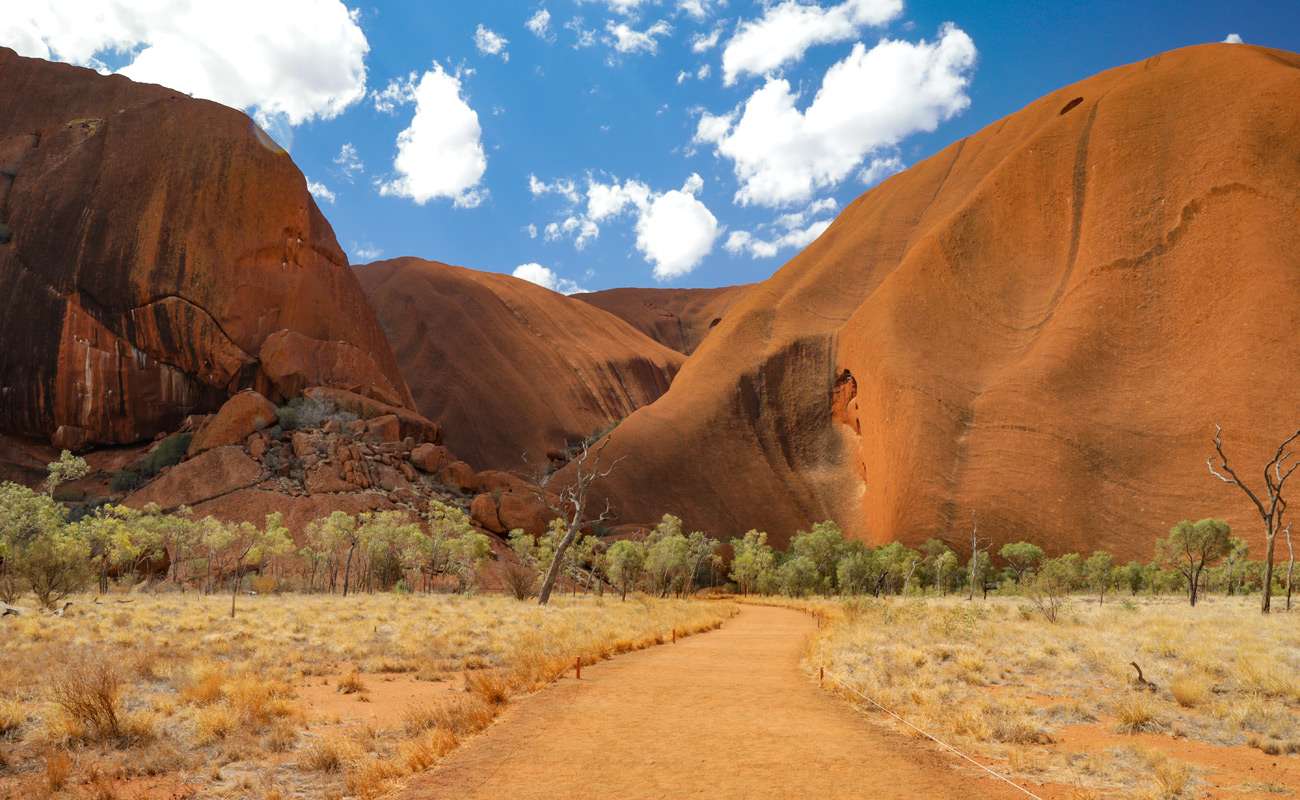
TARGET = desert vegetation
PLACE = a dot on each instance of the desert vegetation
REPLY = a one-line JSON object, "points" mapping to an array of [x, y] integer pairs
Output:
{"points": [[297, 696], [1062, 701]]}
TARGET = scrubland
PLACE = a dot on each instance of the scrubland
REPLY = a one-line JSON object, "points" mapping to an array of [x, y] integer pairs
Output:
{"points": [[1060, 704], [151, 696]]}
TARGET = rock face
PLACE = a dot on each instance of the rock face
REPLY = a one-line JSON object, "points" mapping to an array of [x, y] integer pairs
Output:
{"points": [[1040, 324], [213, 474], [240, 417], [149, 246], [676, 318], [508, 367]]}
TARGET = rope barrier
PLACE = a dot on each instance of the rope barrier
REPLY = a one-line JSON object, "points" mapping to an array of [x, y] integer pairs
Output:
{"points": [[930, 736]]}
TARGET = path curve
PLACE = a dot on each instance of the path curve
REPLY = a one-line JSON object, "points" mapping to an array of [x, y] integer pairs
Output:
{"points": [[722, 715]]}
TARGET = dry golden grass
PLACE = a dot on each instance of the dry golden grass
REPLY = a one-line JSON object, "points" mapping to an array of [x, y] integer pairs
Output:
{"points": [[997, 679], [158, 685]]}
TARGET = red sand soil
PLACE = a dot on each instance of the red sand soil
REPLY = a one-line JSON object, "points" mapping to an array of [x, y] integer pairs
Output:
{"points": [[507, 366], [1239, 772], [1040, 324], [728, 714], [676, 318]]}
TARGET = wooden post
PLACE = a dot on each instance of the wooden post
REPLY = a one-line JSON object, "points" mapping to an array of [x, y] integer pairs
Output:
{"points": [[577, 667], [821, 675], [674, 636]]}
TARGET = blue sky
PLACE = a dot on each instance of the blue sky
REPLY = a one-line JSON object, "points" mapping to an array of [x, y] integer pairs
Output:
{"points": [[667, 142]]}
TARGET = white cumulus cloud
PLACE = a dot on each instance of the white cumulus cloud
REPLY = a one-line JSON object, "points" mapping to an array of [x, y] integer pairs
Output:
{"points": [[545, 276], [348, 162], [867, 103], [440, 154], [676, 231], [288, 61], [1233, 38], [795, 230], [881, 168], [540, 24], [320, 191], [786, 30], [491, 43], [626, 39]]}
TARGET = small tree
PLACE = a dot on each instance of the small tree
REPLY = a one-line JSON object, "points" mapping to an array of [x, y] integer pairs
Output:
{"points": [[859, 572], [624, 564], [67, 469], [1022, 557], [751, 557], [38, 549], [799, 576], [1099, 572], [1131, 576], [823, 544], [327, 538], [945, 566], [667, 555], [1050, 585], [1191, 547], [454, 547], [572, 506], [249, 545], [978, 566], [1270, 504]]}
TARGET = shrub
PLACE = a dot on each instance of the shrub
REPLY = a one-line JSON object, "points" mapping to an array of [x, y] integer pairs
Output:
{"points": [[520, 581], [125, 480], [88, 692], [12, 718], [1190, 690], [1136, 713], [305, 413], [492, 687]]}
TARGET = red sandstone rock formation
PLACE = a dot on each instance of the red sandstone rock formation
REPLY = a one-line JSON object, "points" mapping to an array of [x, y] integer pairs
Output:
{"points": [[239, 418], [508, 367], [1042, 324], [676, 318], [149, 246]]}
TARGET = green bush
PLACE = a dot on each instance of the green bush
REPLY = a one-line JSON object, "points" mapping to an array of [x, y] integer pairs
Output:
{"points": [[305, 413], [168, 453], [125, 480]]}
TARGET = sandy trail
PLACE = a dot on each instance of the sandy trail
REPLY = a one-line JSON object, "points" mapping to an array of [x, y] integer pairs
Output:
{"points": [[721, 715]]}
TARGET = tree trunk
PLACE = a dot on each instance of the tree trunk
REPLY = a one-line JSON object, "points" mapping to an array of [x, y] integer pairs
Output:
{"points": [[557, 563], [1290, 566], [1265, 605], [234, 592], [347, 571]]}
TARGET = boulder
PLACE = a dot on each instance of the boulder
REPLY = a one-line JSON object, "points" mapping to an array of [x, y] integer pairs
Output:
{"points": [[411, 423], [385, 429], [292, 362], [213, 473], [239, 417], [430, 458], [326, 478], [497, 481], [483, 510], [458, 475], [523, 509]]}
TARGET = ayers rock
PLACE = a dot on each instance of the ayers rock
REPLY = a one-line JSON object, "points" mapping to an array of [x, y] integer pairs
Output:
{"points": [[1040, 324], [676, 318], [508, 367], [150, 245]]}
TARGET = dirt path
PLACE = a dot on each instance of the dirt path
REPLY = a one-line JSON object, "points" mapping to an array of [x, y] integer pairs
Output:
{"points": [[722, 715]]}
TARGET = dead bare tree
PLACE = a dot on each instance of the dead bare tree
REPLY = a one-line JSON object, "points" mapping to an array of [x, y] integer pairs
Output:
{"points": [[1290, 564], [570, 505], [1271, 506], [975, 570]]}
